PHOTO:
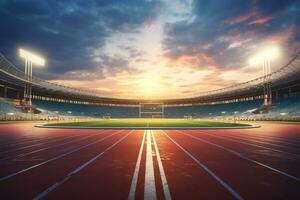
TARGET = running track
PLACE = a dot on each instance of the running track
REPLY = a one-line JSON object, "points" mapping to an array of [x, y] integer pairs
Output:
{"points": [[40, 163]]}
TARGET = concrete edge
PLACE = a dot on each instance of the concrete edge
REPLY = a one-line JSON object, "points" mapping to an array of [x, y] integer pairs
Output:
{"points": [[147, 128]]}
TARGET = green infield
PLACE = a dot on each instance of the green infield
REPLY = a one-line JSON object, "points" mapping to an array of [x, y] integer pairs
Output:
{"points": [[148, 123]]}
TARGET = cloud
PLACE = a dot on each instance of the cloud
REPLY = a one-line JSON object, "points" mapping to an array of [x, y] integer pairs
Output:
{"points": [[67, 32], [226, 30], [174, 48]]}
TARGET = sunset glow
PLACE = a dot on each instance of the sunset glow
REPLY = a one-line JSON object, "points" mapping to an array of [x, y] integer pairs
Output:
{"points": [[159, 48]]}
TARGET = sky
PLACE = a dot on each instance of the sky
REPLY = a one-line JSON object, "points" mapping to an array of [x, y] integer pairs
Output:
{"points": [[149, 48]]}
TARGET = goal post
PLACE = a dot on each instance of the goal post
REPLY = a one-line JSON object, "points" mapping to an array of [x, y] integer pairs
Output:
{"points": [[151, 110]]}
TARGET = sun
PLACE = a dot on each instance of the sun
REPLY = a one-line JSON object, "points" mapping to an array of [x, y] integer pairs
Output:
{"points": [[150, 85]]}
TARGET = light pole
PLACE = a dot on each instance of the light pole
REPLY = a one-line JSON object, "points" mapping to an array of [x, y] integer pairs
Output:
{"points": [[29, 58], [264, 58]]}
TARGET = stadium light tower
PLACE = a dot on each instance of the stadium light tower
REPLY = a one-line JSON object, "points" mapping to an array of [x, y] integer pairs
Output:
{"points": [[30, 59], [264, 58]]}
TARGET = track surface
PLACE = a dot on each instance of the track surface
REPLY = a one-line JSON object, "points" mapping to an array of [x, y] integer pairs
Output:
{"points": [[45, 163]]}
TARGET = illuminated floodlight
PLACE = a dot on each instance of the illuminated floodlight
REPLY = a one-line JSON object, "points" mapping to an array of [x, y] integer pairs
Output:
{"points": [[34, 58], [267, 53], [10, 114]]}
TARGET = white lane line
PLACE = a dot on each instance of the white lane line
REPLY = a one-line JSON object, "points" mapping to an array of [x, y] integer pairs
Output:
{"points": [[133, 185], [260, 141], [211, 173], [29, 140], [250, 144], [46, 148], [166, 190], [268, 140], [77, 170], [149, 186], [245, 158], [38, 144], [3, 178]]}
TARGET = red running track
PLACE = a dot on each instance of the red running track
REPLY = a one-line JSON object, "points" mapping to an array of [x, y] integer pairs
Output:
{"points": [[39, 163]]}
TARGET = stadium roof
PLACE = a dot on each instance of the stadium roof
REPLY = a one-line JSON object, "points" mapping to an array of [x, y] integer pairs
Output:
{"points": [[287, 74]]}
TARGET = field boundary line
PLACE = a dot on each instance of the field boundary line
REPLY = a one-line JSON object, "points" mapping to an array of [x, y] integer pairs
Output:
{"points": [[77, 170], [248, 143], [205, 168], [148, 128], [245, 158], [165, 185], [47, 148], [149, 186], [3, 178], [134, 180]]}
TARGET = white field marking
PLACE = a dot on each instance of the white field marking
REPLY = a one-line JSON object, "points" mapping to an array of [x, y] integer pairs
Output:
{"points": [[245, 158], [166, 190], [133, 185], [149, 186], [38, 144], [30, 140], [250, 144], [3, 178], [256, 140], [77, 170], [211, 173], [276, 138], [46, 148]]}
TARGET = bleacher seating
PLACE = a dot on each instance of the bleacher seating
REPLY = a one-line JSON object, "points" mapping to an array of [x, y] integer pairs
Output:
{"points": [[211, 111], [68, 109], [284, 108], [9, 111]]}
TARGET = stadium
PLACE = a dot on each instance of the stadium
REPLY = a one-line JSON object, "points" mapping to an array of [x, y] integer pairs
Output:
{"points": [[244, 101], [63, 141]]}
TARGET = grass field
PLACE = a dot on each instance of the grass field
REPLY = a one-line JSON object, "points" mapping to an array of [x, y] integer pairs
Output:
{"points": [[148, 123]]}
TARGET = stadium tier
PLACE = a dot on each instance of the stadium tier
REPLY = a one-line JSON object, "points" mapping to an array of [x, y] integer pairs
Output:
{"points": [[285, 108], [243, 101], [81, 110]]}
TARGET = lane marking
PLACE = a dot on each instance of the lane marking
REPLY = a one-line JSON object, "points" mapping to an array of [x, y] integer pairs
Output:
{"points": [[149, 186], [276, 138], [250, 144], [166, 190], [46, 148], [77, 170], [3, 178], [260, 141], [244, 157], [211, 173], [133, 185], [38, 144], [266, 139], [29, 140]]}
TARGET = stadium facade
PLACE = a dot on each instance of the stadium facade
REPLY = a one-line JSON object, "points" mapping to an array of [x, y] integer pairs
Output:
{"points": [[284, 86]]}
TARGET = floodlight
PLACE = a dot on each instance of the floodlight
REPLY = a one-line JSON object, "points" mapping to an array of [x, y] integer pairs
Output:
{"points": [[34, 58], [267, 53]]}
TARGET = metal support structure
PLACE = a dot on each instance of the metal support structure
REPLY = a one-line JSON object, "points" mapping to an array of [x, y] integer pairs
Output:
{"points": [[28, 84], [267, 83], [5, 92]]}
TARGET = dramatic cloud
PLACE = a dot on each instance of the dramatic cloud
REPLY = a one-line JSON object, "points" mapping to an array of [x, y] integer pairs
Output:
{"points": [[156, 48], [225, 30], [67, 32]]}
